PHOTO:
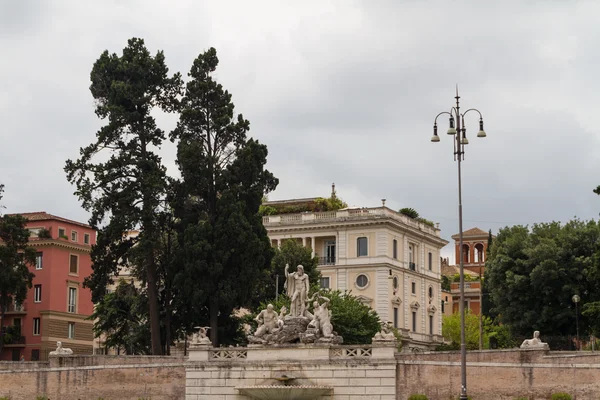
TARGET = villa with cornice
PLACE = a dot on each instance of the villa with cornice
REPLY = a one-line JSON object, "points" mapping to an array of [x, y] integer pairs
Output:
{"points": [[387, 259]]}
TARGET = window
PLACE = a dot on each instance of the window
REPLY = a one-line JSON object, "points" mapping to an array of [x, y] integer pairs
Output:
{"points": [[74, 236], [36, 326], [37, 294], [430, 262], [362, 281], [411, 262], [34, 232], [413, 287], [62, 233], [325, 282], [35, 354], [86, 238], [71, 330], [72, 300], [430, 292], [362, 247], [431, 324], [414, 321], [73, 264], [395, 249], [466, 305], [395, 282], [38, 260], [395, 317]]}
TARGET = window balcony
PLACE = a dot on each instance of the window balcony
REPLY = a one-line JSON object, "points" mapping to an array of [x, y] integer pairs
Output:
{"points": [[14, 309], [327, 260], [412, 266]]}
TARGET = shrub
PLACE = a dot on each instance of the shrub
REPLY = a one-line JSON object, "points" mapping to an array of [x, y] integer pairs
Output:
{"points": [[521, 398], [418, 397], [5, 398], [41, 398], [561, 396], [409, 212]]}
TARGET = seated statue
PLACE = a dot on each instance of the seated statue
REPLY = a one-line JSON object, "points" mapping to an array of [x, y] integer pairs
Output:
{"points": [[535, 343], [385, 333], [268, 321], [60, 351]]}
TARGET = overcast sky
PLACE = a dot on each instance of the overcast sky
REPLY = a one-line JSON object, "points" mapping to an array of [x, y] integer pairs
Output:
{"points": [[340, 91]]}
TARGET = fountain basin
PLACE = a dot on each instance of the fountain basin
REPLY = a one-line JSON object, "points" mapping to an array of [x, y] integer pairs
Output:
{"points": [[271, 392]]}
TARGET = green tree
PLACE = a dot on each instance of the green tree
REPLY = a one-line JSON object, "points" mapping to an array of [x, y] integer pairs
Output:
{"points": [[293, 253], [15, 256], [122, 317], [224, 247], [451, 329], [534, 273], [486, 304], [127, 186]]}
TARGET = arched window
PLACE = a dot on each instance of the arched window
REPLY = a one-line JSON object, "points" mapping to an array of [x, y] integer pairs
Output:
{"points": [[465, 252], [479, 253]]}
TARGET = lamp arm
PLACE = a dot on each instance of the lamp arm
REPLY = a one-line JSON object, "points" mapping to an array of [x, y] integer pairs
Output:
{"points": [[472, 109], [443, 112]]}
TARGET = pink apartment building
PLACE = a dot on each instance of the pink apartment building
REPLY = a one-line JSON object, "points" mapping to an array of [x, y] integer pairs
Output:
{"points": [[57, 306]]}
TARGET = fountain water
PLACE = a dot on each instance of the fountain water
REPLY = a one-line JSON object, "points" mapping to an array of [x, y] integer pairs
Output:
{"points": [[285, 390]]}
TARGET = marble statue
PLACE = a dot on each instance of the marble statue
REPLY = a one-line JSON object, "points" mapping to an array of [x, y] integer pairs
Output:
{"points": [[321, 316], [535, 343], [60, 350], [268, 322], [386, 333], [199, 337], [296, 287]]}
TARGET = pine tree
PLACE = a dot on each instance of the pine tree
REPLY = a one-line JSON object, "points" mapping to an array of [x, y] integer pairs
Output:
{"points": [[125, 190]]}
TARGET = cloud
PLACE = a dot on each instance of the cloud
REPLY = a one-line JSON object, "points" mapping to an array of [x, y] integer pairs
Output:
{"points": [[340, 91]]}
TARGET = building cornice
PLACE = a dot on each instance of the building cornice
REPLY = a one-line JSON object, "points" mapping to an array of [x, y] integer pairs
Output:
{"points": [[60, 243], [287, 229]]}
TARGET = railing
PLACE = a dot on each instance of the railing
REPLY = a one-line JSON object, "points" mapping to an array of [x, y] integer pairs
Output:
{"points": [[361, 213], [228, 354], [15, 308], [327, 260], [412, 266], [351, 352]]}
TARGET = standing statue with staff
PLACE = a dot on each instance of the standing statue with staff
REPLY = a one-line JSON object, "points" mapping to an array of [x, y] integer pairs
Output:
{"points": [[296, 287]]}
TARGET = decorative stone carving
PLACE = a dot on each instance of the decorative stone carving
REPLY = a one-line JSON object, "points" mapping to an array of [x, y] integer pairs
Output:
{"points": [[386, 334], [61, 351], [415, 305], [535, 343], [431, 309], [296, 287], [199, 337], [396, 300]]}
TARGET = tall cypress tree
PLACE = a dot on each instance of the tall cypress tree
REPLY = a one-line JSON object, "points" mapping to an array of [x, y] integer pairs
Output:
{"points": [[224, 248], [125, 189]]}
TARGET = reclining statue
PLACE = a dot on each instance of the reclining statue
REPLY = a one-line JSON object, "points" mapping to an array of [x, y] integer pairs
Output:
{"points": [[61, 351], [535, 343]]}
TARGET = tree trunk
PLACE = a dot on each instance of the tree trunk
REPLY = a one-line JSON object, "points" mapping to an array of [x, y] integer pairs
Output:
{"points": [[214, 321], [168, 329], [153, 306], [2, 313]]}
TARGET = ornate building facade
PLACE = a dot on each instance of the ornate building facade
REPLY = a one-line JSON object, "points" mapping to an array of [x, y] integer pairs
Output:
{"points": [[390, 261]]}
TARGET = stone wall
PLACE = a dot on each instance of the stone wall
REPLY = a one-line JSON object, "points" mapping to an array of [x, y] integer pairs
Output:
{"points": [[350, 372], [500, 374], [93, 377]]}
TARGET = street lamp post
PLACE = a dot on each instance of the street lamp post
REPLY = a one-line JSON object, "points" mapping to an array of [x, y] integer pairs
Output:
{"points": [[576, 299], [460, 140]]}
